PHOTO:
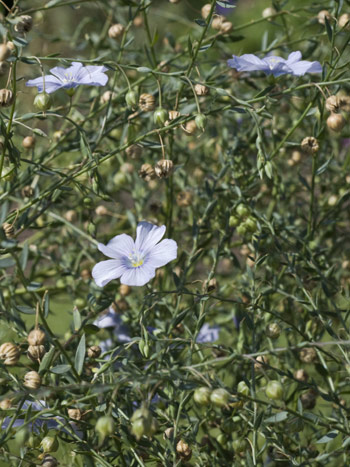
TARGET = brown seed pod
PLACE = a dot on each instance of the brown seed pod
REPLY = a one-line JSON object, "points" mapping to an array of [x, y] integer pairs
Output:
{"points": [[107, 96], [218, 22], [205, 10], [173, 114], [310, 145], [322, 15], [5, 404], [5, 52], [36, 337], [10, 353], [332, 103], [8, 229], [147, 102], [184, 199], [75, 414], [24, 24], [27, 191], [138, 21], [308, 399], [168, 433], [32, 380], [164, 168], [336, 122], [174, 1], [308, 355], [210, 286], [11, 46], [116, 31], [36, 352], [301, 375], [101, 210], [201, 90], [190, 127], [71, 215], [226, 27], [94, 351], [28, 142], [134, 151], [49, 461], [260, 362], [6, 97], [296, 156], [344, 21], [183, 450], [124, 290], [147, 172]]}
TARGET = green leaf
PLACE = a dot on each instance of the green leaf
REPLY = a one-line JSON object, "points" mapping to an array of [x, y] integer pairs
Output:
{"points": [[60, 369], [80, 355], [47, 359], [278, 417], [7, 263], [76, 319], [328, 437], [33, 286], [27, 310]]}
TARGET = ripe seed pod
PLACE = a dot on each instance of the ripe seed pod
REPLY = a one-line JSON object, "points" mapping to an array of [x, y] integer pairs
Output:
{"points": [[322, 15], [310, 145], [36, 352], [274, 390], [5, 52], [32, 380], [219, 397], [11, 46], [202, 395], [308, 355], [28, 142], [43, 101], [210, 286], [226, 27], [9, 230], [49, 444], [344, 21], [147, 102], [36, 337], [134, 151], [159, 116], [201, 90], [6, 97], [75, 414], [268, 12], [301, 375], [217, 22], [124, 290], [168, 433], [147, 172], [190, 127], [164, 168], [138, 21], [273, 330], [332, 103], [183, 450], [101, 210], [308, 399], [10, 353], [24, 24], [49, 461], [94, 351], [205, 10], [71, 215], [336, 122], [174, 1], [27, 191], [184, 199], [260, 362], [116, 31]]}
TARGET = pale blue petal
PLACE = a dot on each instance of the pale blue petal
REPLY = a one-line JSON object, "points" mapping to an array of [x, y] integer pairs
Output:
{"points": [[302, 67], [62, 72], [119, 247], [208, 334], [162, 254], [294, 57], [105, 271], [138, 276], [51, 84], [108, 320], [92, 75], [148, 235], [247, 62]]}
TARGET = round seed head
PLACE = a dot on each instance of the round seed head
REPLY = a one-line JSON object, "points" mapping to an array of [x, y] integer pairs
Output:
{"points": [[147, 102], [6, 97], [10, 353], [36, 337], [116, 31], [32, 380], [164, 168], [147, 172]]}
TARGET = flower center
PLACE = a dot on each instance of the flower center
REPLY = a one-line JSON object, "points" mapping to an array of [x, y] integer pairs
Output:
{"points": [[68, 78], [136, 259]]}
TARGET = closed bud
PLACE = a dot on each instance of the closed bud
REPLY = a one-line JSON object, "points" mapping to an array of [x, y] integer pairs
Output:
{"points": [[36, 337], [147, 172], [36, 352], [75, 414], [49, 461], [43, 101], [134, 151], [131, 99], [164, 168], [201, 121], [322, 15], [274, 390], [202, 395], [49, 444], [94, 351], [183, 450], [147, 102], [24, 24], [5, 52], [10, 353], [205, 10], [308, 355], [201, 90], [310, 145], [32, 380], [105, 426], [6, 97], [9, 230], [336, 122], [28, 142], [273, 330], [160, 116], [116, 31], [344, 21], [219, 397]]}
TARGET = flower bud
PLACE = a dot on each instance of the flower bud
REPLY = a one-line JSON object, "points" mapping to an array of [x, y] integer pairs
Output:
{"points": [[273, 331], [336, 122], [75, 414], [147, 172], [344, 21], [202, 395], [131, 99], [49, 461], [160, 116], [24, 24], [94, 351], [36, 337], [104, 427], [147, 102], [268, 12], [49, 444], [6, 97], [36, 352], [5, 52], [183, 450], [308, 355], [301, 375], [32, 380], [141, 423], [164, 168], [200, 121], [134, 151], [219, 397], [43, 101], [322, 15], [116, 31], [28, 142], [274, 390], [310, 145], [9, 230], [10, 353]]}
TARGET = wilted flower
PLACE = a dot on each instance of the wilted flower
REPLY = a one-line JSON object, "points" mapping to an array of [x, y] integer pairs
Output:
{"points": [[71, 77], [208, 333], [276, 66], [225, 7], [135, 262]]}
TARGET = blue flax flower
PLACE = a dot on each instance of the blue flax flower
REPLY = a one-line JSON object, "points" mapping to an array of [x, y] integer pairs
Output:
{"points": [[135, 262], [225, 7], [67, 78], [208, 333], [276, 66]]}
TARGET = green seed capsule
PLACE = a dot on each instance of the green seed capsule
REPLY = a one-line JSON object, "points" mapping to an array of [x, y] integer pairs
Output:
{"points": [[131, 99], [49, 444], [142, 423], [242, 210], [241, 230], [160, 116], [274, 390], [201, 121], [104, 426], [43, 101], [273, 331], [251, 224], [202, 396], [219, 397], [233, 221], [242, 388]]}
